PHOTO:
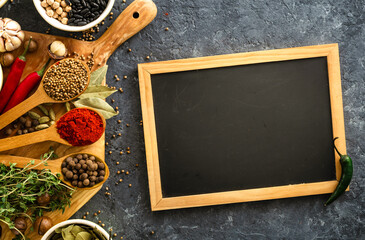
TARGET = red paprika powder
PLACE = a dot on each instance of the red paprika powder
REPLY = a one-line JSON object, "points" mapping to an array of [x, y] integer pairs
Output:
{"points": [[80, 127]]}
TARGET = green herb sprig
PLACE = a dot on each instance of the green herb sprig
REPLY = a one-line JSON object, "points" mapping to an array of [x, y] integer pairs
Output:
{"points": [[20, 187]]}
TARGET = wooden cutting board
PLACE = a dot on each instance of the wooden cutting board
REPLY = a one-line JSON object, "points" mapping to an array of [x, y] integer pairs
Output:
{"points": [[126, 25]]}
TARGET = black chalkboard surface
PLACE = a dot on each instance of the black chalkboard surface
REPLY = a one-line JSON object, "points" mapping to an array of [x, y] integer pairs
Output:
{"points": [[242, 127]]}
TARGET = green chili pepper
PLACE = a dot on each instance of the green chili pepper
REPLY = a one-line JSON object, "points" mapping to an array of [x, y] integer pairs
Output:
{"points": [[347, 169]]}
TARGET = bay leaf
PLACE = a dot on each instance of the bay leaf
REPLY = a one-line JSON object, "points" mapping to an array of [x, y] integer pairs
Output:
{"points": [[84, 236], [97, 77], [76, 230], [66, 233], [98, 104], [97, 92]]}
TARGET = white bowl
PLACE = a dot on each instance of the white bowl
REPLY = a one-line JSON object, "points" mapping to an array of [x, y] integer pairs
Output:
{"points": [[57, 24], [50, 232]]}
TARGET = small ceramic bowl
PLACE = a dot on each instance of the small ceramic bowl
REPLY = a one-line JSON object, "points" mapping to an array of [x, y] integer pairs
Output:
{"points": [[57, 24], [51, 231]]}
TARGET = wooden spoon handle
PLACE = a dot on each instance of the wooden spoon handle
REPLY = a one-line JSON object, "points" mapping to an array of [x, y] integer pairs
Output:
{"points": [[49, 134], [53, 165], [132, 20], [23, 107]]}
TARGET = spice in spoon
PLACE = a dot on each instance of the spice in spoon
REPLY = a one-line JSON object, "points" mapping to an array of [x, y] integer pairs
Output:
{"points": [[66, 79], [80, 127]]}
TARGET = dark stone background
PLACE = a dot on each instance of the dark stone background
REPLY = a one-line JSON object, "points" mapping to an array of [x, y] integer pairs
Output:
{"points": [[211, 27]]}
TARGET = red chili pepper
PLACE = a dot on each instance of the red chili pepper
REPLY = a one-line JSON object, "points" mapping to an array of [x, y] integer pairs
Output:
{"points": [[13, 79], [25, 87]]}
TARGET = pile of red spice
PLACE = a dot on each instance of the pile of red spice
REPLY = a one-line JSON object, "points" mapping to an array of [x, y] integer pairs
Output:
{"points": [[80, 127]]}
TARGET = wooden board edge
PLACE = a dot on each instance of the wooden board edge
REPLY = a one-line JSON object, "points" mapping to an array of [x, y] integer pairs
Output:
{"points": [[335, 88], [149, 128], [235, 59], [249, 195]]}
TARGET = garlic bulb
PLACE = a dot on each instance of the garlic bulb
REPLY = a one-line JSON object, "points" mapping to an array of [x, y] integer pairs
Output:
{"points": [[11, 35]]}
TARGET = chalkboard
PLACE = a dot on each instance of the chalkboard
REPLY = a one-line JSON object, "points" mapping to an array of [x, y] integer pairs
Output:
{"points": [[244, 127]]}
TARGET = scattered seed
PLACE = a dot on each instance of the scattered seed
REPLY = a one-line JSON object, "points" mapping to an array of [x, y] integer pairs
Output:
{"points": [[99, 211], [119, 134], [127, 125], [148, 57], [166, 29], [119, 121], [125, 76], [84, 217], [129, 50], [110, 152], [120, 180], [118, 172], [107, 143], [95, 214], [121, 152], [137, 165], [130, 185], [117, 163]]}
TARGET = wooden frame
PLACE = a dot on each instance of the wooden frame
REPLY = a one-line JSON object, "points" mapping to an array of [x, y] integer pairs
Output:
{"points": [[158, 202]]}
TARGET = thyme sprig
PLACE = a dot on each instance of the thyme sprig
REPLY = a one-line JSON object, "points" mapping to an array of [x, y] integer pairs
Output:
{"points": [[20, 187]]}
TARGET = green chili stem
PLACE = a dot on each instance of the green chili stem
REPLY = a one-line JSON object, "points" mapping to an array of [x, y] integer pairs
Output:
{"points": [[22, 57], [41, 72], [336, 147]]}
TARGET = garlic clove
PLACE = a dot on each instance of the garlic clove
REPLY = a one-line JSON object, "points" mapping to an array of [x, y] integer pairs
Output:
{"points": [[12, 32], [5, 36], [2, 45], [6, 20], [12, 25], [16, 42], [9, 46], [21, 35]]}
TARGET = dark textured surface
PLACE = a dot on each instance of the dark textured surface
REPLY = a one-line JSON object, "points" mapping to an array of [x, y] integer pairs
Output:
{"points": [[244, 127], [210, 27]]}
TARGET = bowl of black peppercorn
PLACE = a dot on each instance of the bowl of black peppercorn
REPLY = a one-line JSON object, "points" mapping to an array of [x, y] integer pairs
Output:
{"points": [[73, 15]]}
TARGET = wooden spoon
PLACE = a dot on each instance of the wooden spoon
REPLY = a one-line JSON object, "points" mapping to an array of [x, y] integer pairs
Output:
{"points": [[53, 165], [49, 134], [38, 97]]}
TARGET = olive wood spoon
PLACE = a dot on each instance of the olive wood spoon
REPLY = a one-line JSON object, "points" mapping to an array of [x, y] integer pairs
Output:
{"points": [[49, 134], [37, 98], [53, 165]]}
